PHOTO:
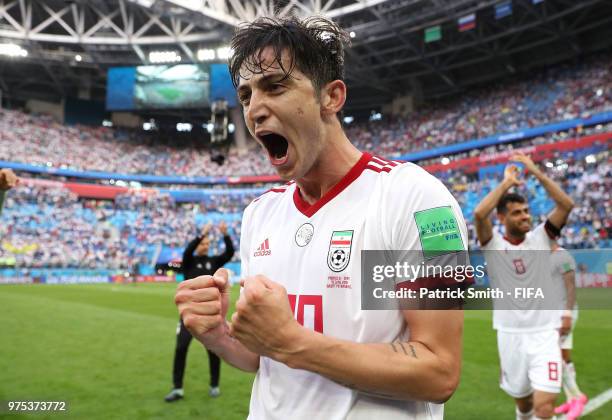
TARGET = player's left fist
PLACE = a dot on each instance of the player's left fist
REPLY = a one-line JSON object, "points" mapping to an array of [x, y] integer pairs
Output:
{"points": [[263, 321], [8, 179]]}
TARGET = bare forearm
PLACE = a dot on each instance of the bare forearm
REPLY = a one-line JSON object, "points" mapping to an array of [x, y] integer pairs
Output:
{"points": [[407, 371], [488, 204], [234, 353]]}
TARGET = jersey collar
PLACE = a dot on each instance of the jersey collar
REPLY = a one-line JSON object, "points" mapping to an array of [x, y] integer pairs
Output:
{"points": [[514, 241], [309, 210]]}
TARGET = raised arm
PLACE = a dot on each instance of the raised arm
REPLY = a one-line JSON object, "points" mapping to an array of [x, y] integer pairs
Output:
{"points": [[425, 368], [229, 246], [484, 227], [188, 252], [564, 203]]}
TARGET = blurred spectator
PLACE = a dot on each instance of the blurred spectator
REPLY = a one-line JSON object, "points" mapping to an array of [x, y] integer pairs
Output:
{"points": [[47, 226], [565, 92]]}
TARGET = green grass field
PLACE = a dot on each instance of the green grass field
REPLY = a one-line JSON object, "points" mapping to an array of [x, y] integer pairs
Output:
{"points": [[108, 349]]}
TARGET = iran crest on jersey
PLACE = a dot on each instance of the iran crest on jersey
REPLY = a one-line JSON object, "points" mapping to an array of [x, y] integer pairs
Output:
{"points": [[314, 251]]}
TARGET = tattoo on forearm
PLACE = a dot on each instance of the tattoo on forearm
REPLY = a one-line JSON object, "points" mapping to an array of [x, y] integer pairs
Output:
{"points": [[412, 350], [403, 348], [396, 346]]}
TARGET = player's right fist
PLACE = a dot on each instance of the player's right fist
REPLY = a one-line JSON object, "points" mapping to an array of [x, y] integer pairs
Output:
{"points": [[202, 304]]}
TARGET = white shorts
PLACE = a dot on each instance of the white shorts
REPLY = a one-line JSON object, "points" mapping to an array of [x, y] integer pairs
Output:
{"points": [[529, 361], [567, 341]]}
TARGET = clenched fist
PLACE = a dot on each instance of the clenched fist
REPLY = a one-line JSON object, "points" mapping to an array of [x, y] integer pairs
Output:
{"points": [[263, 321], [202, 304]]}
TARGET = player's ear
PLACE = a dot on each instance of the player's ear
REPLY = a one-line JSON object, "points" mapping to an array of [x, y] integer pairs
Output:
{"points": [[333, 97]]}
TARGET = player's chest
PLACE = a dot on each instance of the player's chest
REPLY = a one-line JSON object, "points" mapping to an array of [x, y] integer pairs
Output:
{"points": [[522, 260], [317, 247], [318, 261]]}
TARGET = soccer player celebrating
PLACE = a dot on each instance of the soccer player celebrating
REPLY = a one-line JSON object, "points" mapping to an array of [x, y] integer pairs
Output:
{"points": [[527, 340], [564, 273], [298, 322]]}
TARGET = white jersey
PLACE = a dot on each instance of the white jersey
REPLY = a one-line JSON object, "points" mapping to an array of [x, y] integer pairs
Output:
{"points": [[523, 266], [561, 263], [314, 252]]}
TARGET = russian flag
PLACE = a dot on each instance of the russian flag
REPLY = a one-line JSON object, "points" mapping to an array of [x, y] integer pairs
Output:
{"points": [[467, 22]]}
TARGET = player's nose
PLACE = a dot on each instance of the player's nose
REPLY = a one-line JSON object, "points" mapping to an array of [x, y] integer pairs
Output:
{"points": [[258, 110]]}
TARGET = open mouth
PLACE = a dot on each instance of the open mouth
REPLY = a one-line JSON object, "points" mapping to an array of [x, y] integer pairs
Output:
{"points": [[277, 147]]}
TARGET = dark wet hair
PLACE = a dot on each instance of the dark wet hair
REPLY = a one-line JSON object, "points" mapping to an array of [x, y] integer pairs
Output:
{"points": [[315, 46], [502, 205]]}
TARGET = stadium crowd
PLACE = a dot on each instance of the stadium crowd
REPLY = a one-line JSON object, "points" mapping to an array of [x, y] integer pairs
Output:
{"points": [[48, 226], [558, 94], [548, 138]]}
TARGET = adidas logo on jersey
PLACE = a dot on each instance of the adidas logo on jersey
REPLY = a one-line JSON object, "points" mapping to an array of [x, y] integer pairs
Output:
{"points": [[263, 250]]}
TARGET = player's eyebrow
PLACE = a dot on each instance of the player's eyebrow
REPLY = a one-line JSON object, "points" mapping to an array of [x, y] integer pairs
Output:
{"points": [[274, 77], [267, 79], [263, 81]]}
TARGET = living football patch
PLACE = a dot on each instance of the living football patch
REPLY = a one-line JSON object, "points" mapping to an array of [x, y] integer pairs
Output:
{"points": [[438, 231]]}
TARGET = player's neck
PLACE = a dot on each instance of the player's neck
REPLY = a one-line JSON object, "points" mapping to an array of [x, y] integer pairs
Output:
{"points": [[334, 162], [515, 238]]}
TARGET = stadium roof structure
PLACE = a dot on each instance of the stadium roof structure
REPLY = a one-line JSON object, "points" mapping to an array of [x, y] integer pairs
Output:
{"points": [[399, 47]]}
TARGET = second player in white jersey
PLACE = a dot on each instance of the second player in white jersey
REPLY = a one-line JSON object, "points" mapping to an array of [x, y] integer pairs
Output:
{"points": [[316, 255], [527, 326]]}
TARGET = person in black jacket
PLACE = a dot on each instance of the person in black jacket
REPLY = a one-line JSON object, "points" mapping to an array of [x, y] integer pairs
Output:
{"points": [[196, 265]]}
